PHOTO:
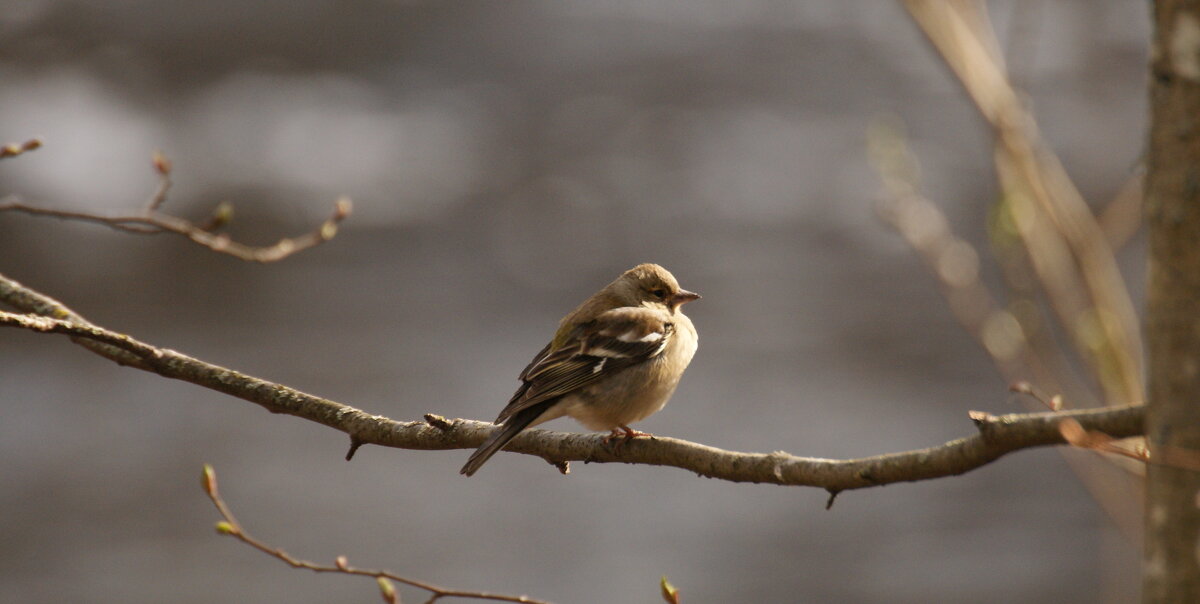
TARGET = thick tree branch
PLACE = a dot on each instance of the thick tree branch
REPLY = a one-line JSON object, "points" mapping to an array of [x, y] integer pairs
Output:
{"points": [[997, 435], [1170, 569]]}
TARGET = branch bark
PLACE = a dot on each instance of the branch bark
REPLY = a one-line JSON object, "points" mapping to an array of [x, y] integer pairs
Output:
{"points": [[151, 221], [996, 436], [1171, 571]]}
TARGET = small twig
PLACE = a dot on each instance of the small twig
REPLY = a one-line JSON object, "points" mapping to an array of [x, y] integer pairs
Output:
{"points": [[1053, 403], [1176, 457], [1121, 217], [152, 221], [1067, 248], [1095, 440], [230, 526], [354, 446], [670, 594], [15, 149], [833, 493], [219, 217], [162, 165], [1046, 239], [1004, 334]]}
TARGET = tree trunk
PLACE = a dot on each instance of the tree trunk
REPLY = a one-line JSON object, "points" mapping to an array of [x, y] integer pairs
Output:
{"points": [[1171, 568]]}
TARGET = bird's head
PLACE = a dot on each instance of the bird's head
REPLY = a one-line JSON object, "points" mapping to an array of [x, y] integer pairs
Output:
{"points": [[652, 286]]}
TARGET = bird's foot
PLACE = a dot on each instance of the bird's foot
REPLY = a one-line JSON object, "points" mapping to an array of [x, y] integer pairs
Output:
{"points": [[620, 435], [631, 434]]}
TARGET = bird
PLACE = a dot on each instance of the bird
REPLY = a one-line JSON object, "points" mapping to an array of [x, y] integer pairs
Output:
{"points": [[615, 360]]}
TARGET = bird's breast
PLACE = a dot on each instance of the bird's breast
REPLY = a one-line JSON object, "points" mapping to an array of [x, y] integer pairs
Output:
{"points": [[637, 392]]}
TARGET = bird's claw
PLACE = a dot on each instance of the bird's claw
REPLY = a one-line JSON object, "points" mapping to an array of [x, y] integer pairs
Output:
{"points": [[620, 435]]}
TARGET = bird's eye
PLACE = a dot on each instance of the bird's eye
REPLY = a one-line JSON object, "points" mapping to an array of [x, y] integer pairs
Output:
{"points": [[659, 293]]}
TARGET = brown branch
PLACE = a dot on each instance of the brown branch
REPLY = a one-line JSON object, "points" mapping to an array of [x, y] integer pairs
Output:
{"points": [[230, 526], [1077, 436], [1018, 342], [1121, 217], [670, 594], [1067, 247], [151, 221], [15, 149], [997, 435], [162, 165], [953, 261], [1044, 237]]}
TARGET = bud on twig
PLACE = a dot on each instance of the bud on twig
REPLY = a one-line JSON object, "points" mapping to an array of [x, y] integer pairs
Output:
{"points": [[208, 480], [162, 165], [387, 590]]}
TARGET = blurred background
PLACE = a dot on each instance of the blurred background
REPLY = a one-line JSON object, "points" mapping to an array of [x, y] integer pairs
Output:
{"points": [[506, 160]]}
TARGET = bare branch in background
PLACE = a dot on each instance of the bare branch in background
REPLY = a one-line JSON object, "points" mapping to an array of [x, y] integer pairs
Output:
{"points": [[1062, 298], [230, 526], [1065, 244], [1078, 436], [151, 221], [1121, 219], [1005, 333]]}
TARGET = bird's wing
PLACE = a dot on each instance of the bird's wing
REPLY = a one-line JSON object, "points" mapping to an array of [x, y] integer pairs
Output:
{"points": [[615, 340]]}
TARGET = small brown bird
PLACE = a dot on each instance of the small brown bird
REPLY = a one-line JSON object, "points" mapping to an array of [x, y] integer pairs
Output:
{"points": [[615, 360]]}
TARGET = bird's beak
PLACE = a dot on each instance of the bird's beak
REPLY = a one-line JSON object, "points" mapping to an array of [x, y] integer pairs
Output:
{"points": [[683, 297]]}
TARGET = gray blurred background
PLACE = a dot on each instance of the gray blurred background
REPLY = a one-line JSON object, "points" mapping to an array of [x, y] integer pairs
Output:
{"points": [[506, 160]]}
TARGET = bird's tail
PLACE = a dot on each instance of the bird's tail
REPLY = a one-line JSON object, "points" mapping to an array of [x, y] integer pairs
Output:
{"points": [[500, 437]]}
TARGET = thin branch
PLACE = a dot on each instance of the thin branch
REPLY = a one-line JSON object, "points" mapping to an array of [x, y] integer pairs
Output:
{"points": [[1121, 218], [1067, 247], [670, 594], [15, 149], [151, 221], [997, 435], [230, 526], [162, 165], [1080, 437], [1042, 232], [953, 261], [154, 222]]}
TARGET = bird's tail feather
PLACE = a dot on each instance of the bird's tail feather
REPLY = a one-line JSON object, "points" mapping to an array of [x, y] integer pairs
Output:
{"points": [[500, 437]]}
